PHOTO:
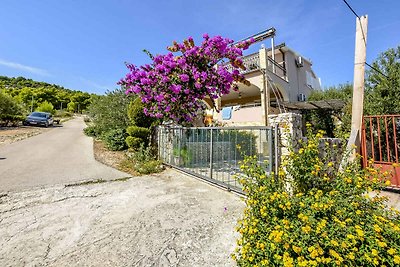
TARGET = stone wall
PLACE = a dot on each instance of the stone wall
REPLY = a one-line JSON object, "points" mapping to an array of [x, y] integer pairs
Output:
{"points": [[290, 127]]}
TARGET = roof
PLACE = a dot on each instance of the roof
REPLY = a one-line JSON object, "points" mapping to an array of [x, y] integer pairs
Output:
{"points": [[333, 104]]}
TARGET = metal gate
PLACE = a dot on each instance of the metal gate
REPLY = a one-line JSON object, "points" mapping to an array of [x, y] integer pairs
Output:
{"points": [[214, 153], [380, 141]]}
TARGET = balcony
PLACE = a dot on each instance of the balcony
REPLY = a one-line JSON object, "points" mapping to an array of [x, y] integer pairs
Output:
{"points": [[252, 63]]}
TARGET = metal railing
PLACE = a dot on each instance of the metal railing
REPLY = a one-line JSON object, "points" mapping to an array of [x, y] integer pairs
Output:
{"points": [[215, 153], [252, 63], [381, 143]]}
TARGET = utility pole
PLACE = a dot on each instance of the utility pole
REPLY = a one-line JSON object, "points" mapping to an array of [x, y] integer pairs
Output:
{"points": [[32, 105], [265, 101], [358, 85]]}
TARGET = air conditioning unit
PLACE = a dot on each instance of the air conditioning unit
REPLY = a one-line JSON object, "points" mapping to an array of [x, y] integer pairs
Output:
{"points": [[299, 62], [301, 97]]}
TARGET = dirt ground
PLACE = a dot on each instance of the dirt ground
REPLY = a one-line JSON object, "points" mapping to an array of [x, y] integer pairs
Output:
{"points": [[114, 159], [105, 156], [168, 219], [10, 135]]}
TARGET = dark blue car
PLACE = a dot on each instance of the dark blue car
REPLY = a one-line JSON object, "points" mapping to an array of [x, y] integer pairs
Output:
{"points": [[39, 118]]}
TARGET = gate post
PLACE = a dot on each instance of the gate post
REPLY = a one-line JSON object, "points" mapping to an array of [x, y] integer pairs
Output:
{"points": [[290, 130], [211, 153]]}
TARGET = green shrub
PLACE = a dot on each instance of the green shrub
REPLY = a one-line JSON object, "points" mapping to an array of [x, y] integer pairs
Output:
{"points": [[46, 107], [10, 110], [313, 214], [148, 167], [91, 131], [63, 114], [137, 136], [136, 115], [185, 155], [109, 111], [115, 139], [145, 162], [134, 142], [139, 132], [11, 120]]}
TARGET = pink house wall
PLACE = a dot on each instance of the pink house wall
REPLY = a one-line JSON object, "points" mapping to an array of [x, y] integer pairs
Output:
{"points": [[244, 115]]}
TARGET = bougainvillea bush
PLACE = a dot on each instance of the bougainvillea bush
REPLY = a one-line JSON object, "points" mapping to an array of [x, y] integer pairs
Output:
{"points": [[173, 86], [313, 214]]}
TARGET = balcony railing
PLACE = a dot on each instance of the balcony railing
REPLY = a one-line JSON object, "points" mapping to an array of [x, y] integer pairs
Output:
{"points": [[252, 63]]}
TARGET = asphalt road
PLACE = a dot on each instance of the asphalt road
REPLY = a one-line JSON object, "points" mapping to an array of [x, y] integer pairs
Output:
{"points": [[61, 155]]}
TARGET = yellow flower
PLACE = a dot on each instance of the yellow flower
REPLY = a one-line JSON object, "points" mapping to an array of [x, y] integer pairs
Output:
{"points": [[374, 252], [334, 243], [360, 232], [391, 251], [396, 259], [306, 229], [334, 254], [351, 256], [382, 244], [388, 183], [296, 249]]}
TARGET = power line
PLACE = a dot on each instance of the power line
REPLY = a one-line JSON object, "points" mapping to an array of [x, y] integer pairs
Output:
{"points": [[352, 10], [359, 21], [377, 70], [365, 41]]}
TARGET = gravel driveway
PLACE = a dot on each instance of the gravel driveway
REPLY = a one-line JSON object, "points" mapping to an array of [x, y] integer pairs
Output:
{"points": [[61, 155], [168, 219]]}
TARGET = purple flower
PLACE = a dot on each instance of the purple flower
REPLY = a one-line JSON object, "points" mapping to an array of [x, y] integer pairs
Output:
{"points": [[165, 79], [184, 77], [157, 86], [176, 88]]}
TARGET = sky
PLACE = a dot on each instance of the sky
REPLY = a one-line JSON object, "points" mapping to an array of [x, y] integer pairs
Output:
{"points": [[84, 44]]}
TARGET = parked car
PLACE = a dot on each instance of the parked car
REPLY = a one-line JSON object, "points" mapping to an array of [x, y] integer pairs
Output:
{"points": [[39, 118]]}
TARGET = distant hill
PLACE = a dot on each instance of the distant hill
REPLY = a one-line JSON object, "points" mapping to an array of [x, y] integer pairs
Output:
{"points": [[29, 92]]}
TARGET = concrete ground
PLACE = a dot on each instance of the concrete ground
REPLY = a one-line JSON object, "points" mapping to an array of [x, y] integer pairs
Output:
{"points": [[61, 155], [168, 219]]}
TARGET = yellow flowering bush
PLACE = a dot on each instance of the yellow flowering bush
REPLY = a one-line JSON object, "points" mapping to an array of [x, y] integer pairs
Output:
{"points": [[314, 213]]}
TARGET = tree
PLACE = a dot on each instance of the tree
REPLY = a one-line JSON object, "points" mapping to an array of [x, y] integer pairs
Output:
{"points": [[109, 112], [46, 107], [383, 86], [10, 111], [24, 89], [8, 106], [336, 123], [173, 86], [71, 107]]}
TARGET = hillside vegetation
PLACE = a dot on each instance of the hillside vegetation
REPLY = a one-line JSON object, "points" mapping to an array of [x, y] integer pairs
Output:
{"points": [[31, 94]]}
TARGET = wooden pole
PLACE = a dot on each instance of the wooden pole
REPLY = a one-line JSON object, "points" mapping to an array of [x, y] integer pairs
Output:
{"points": [[358, 85], [265, 101]]}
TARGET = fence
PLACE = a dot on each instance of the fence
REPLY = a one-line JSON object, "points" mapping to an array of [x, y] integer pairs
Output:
{"points": [[380, 142], [214, 153]]}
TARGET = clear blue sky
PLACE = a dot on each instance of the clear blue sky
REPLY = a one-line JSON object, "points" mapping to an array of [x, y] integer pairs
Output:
{"points": [[83, 44]]}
